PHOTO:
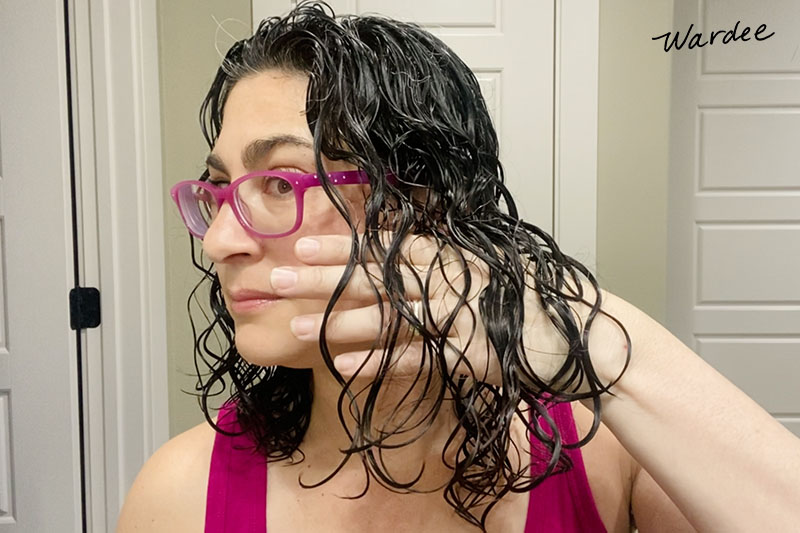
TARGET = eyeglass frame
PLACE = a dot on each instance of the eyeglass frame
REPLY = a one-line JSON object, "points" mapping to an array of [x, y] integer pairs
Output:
{"points": [[299, 182]]}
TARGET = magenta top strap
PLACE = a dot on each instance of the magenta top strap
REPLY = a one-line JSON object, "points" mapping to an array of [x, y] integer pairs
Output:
{"points": [[563, 503], [237, 482]]}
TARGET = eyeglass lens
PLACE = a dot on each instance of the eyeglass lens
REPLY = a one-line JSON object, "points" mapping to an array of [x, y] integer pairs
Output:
{"points": [[267, 204]]}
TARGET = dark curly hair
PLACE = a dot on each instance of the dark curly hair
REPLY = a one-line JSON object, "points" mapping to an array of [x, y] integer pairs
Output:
{"points": [[388, 96]]}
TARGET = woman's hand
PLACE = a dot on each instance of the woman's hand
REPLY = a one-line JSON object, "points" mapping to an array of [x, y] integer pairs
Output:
{"points": [[468, 350]]}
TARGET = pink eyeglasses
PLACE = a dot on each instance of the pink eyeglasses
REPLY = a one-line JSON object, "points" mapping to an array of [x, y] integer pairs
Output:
{"points": [[267, 204]]}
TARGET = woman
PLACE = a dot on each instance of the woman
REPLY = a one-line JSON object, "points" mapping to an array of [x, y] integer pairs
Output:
{"points": [[405, 351]]}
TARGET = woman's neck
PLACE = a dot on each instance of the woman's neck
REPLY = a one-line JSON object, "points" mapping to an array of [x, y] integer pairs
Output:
{"points": [[395, 408]]}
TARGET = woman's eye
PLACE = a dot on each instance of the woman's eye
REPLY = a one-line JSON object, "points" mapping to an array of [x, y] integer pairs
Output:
{"points": [[202, 195], [276, 187], [219, 183]]}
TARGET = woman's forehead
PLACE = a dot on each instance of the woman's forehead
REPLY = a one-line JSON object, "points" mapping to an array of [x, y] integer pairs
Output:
{"points": [[271, 95], [269, 105]]}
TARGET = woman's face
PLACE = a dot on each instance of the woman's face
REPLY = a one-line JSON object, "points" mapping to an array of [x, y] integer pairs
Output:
{"points": [[267, 106]]}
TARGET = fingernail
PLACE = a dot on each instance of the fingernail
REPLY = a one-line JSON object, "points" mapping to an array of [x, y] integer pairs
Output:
{"points": [[283, 278], [302, 326], [307, 247], [345, 364]]}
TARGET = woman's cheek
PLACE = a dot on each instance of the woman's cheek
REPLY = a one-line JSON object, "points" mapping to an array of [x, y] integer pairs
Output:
{"points": [[321, 217]]}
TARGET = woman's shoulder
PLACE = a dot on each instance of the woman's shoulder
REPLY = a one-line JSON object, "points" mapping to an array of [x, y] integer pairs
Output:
{"points": [[169, 493]]}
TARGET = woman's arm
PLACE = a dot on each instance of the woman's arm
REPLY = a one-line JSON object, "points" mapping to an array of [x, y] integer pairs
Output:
{"points": [[724, 461], [651, 509]]}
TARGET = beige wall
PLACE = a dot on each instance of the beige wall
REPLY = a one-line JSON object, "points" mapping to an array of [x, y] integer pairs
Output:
{"points": [[634, 90], [188, 60], [632, 160]]}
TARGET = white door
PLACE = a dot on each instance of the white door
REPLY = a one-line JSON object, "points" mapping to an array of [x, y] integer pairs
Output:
{"points": [[40, 482], [734, 213]]}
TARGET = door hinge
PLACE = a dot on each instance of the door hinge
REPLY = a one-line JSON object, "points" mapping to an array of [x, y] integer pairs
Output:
{"points": [[84, 308]]}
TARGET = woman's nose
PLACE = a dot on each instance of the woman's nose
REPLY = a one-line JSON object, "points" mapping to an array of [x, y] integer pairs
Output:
{"points": [[226, 237]]}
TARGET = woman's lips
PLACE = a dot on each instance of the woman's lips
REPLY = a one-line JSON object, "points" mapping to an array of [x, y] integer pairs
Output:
{"points": [[244, 306], [245, 300]]}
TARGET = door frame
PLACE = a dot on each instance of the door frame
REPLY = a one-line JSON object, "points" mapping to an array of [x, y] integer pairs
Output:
{"points": [[575, 112], [121, 242]]}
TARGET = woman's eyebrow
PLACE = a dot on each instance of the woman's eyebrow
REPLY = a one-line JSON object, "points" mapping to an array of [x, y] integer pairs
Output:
{"points": [[258, 149], [213, 161]]}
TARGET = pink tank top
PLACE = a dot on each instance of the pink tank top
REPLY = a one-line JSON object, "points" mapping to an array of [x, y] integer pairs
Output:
{"points": [[237, 486]]}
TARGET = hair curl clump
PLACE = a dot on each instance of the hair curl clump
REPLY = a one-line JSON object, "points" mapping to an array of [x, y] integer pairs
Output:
{"points": [[388, 96]]}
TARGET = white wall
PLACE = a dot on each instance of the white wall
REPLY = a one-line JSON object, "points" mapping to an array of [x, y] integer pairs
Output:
{"points": [[188, 60], [634, 91]]}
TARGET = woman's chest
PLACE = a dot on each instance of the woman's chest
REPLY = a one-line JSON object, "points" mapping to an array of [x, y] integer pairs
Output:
{"points": [[608, 470], [290, 508], [329, 511]]}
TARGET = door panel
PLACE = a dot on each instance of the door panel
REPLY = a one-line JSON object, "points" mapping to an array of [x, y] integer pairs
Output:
{"points": [[40, 487], [470, 13], [734, 213]]}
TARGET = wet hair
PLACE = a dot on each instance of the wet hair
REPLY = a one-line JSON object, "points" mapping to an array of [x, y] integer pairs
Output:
{"points": [[388, 96]]}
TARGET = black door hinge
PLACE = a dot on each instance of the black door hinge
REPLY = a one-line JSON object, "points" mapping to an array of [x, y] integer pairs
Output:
{"points": [[84, 308]]}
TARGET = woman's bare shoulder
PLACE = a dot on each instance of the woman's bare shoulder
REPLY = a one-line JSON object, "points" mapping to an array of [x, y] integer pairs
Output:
{"points": [[169, 493]]}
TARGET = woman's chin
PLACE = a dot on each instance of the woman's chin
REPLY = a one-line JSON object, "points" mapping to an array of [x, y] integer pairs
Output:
{"points": [[271, 348]]}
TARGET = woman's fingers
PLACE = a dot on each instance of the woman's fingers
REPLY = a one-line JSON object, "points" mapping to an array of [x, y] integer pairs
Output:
{"points": [[358, 322], [466, 350], [359, 325], [321, 275], [335, 249], [365, 324], [319, 282], [475, 359]]}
